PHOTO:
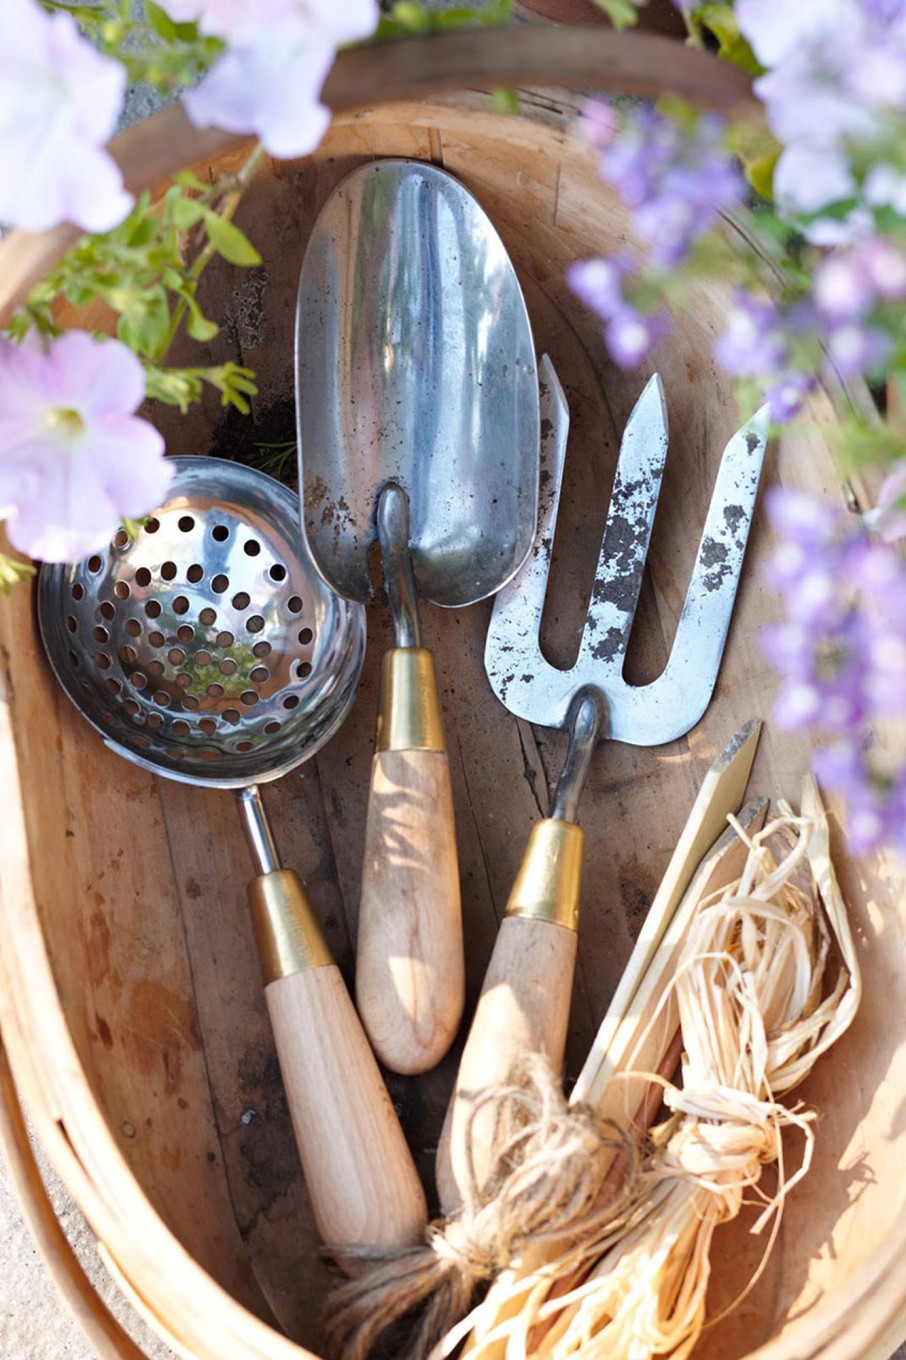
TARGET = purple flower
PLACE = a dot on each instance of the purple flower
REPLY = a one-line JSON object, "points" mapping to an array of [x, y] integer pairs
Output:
{"points": [[675, 179], [850, 283], [632, 336], [599, 123], [857, 349], [888, 518], [840, 653], [599, 282], [875, 799], [268, 80], [74, 457], [786, 394], [835, 70], [59, 105], [753, 343]]}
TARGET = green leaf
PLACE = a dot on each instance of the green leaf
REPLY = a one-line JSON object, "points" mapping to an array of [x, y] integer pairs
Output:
{"points": [[145, 320], [160, 22], [758, 151], [504, 101], [175, 387], [760, 173], [229, 241], [185, 213], [12, 572], [198, 325], [188, 180], [732, 46], [621, 13]]}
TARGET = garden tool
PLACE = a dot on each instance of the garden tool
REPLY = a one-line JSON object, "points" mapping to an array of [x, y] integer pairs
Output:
{"points": [[525, 1000], [207, 649], [418, 428]]}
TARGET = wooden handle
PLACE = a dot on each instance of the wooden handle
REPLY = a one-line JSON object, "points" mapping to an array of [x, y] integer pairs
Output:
{"points": [[410, 975], [364, 1188], [523, 1008]]}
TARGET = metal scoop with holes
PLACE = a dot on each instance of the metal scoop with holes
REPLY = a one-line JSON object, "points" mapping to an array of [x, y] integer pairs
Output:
{"points": [[525, 999], [210, 651], [418, 428]]}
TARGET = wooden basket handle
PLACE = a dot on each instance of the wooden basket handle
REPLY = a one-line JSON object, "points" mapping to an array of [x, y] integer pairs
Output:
{"points": [[413, 68], [100, 1327]]}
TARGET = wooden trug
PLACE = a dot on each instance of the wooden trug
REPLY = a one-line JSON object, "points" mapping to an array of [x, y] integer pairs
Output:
{"points": [[130, 1000]]}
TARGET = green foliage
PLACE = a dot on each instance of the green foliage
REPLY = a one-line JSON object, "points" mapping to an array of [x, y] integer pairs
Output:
{"points": [[408, 16], [505, 101], [719, 20], [154, 49], [621, 13], [147, 271], [862, 443], [12, 572], [183, 386], [277, 459]]}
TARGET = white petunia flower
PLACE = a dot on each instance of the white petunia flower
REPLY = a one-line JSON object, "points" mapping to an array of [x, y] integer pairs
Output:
{"points": [[278, 54], [59, 105]]}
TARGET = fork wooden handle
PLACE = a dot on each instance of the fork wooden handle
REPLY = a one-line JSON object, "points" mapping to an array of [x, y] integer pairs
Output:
{"points": [[524, 1003]]}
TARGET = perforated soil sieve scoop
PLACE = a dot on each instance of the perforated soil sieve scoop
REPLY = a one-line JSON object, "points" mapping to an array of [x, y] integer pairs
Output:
{"points": [[209, 650], [418, 429]]}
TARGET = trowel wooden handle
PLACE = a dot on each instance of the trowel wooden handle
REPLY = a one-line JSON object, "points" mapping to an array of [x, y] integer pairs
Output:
{"points": [[524, 1003], [364, 1187], [410, 976]]}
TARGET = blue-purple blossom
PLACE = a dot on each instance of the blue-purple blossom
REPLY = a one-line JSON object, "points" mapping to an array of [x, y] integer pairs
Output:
{"points": [[756, 344], [840, 653], [676, 179], [753, 342], [856, 349], [630, 334], [835, 70], [887, 519], [850, 283]]}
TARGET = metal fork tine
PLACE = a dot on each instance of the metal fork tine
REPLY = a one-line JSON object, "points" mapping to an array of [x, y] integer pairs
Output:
{"points": [[674, 702], [627, 533], [518, 606], [642, 715]]}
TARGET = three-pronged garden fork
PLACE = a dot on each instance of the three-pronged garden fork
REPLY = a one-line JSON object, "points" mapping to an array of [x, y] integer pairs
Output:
{"points": [[524, 1005]]}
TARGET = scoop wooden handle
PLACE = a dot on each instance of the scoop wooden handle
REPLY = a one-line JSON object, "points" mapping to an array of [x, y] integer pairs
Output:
{"points": [[524, 1003], [410, 974], [410, 984], [364, 1188]]}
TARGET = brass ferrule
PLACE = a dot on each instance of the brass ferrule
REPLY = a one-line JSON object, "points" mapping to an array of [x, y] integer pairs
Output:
{"points": [[288, 935], [409, 709], [549, 881]]}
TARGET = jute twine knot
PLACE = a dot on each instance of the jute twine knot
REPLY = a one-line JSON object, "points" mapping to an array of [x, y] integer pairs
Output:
{"points": [[551, 1177]]}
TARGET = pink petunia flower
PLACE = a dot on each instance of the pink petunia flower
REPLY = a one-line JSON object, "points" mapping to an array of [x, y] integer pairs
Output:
{"points": [[74, 457], [59, 104]]}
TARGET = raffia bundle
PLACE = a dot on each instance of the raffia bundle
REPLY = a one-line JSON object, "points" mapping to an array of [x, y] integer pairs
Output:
{"points": [[595, 1253], [756, 1007]]}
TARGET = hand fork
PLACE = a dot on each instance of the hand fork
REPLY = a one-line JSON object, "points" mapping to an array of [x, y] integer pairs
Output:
{"points": [[525, 1000]]}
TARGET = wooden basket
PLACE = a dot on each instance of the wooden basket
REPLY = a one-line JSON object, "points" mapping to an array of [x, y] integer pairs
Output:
{"points": [[131, 1003]]}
